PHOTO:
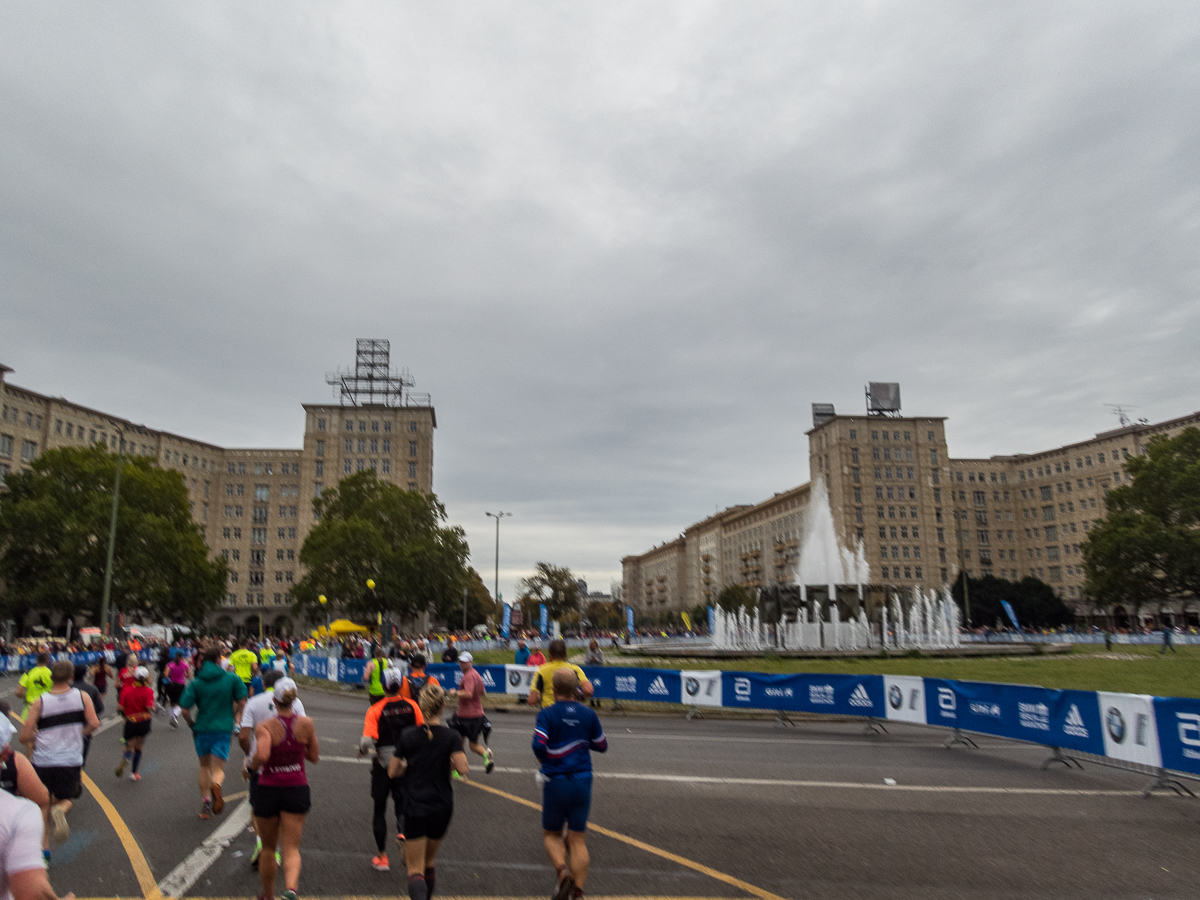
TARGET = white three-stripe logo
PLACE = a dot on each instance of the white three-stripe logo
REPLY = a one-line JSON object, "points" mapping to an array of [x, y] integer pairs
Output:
{"points": [[859, 697]]}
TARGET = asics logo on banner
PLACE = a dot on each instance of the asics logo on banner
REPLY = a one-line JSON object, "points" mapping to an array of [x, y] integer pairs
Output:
{"points": [[947, 703], [1034, 715], [741, 689], [1074, 725], [487, 679], [1115, 723], [692, 686], [657, 687], [1189, 734], [860, 698], [820, 694], [626, 684], [895, 697], [986, 709]]}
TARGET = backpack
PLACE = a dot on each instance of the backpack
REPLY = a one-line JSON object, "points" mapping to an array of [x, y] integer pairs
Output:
{"points": [[415, 685]]}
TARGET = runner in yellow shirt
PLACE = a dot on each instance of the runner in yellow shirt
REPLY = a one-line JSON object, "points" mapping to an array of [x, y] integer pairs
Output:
{"points": [[542, 691], [245, 663], [35, 682]]}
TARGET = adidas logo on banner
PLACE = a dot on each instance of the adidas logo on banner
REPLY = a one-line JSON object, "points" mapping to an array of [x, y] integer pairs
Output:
{"points": [[1074, 725], [487, 679], [658, 687], [860, 698]]}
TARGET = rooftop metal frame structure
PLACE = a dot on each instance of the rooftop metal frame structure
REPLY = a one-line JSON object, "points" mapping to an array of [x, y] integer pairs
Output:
{"points": [[373, 381]]}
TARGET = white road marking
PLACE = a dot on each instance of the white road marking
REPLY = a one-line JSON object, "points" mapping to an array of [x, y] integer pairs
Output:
{"points": [[702, 738], [184, 875]]}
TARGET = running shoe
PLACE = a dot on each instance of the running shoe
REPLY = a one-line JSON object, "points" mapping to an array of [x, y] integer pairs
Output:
{"points": [[400, 837], [218, 802], [121, 767], [489, 761], [454, 774], [62, 830], [278, 858], [255, 854], [206, 808], [174, 721], [565, 887], [46, 858], [380, 863], [288, 895], [134, 776]]}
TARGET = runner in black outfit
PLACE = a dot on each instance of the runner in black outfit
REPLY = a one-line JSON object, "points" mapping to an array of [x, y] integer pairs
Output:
{"points": [[425, 755]]}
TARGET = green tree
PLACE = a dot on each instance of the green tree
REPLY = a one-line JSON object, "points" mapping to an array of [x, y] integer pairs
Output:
{"points": [[370, 529], [605, 615], [734, 597], [1147, 548], [54, 524], [1034, 602], [552, 585], [480, 608]]}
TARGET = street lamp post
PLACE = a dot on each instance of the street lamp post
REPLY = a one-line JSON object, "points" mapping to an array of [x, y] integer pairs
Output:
{"points": [[112, 536], [497, 516]]}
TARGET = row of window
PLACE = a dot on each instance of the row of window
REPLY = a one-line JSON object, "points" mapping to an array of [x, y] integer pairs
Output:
{"points": [[903, 510], [374, 425], [1081, 462], [262, 492], [899, 552], [8, 443], [259, 535], [256, 599], [263, 468], [909, 573], [894, 435], [1001, 478], [12, 414]]}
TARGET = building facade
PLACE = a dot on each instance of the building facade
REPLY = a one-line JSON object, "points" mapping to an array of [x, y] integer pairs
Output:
{"points": [[920, 515], [253, 506]]}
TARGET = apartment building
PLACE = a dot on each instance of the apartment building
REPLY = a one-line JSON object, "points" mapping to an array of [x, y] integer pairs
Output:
{"points": [[920, 515], [254, 506]]}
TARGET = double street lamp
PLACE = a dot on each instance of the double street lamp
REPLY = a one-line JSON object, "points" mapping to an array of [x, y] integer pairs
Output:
{"points": [[497, 516]]}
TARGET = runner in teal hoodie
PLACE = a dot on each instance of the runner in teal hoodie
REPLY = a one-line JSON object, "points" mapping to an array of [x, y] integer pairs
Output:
{"points": [[218, 697]]}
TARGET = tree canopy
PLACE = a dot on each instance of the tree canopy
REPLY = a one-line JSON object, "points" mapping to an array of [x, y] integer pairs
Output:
{"points": [[480, 607], [1147, 548], [368, 529], [734, 597], [552, 585], [54, 523], [1034, 602]]}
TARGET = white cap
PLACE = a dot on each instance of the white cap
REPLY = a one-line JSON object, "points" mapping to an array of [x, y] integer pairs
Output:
{"points": [[392, 678], [466, 656], [141, 672], [285, 684]]}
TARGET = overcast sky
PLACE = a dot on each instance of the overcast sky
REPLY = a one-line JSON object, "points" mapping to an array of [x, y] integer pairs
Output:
{"points": [[624, 246]]}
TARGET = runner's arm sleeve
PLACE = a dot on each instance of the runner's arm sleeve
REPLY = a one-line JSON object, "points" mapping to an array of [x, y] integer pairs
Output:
{"points": [[239, 689], [188, 700], [371, 724], [541, 735], [596, 735], [24, 850]]}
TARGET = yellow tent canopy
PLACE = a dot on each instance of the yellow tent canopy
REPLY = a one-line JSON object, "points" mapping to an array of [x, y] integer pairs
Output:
{"points": [[341, 626]]}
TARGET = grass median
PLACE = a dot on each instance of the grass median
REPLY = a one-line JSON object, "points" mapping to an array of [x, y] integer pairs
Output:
{"points": [[1131, 669]]}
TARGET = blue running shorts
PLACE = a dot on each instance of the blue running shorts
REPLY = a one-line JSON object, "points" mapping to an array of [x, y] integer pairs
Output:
{"points": [[566, 800], [214, 743]]}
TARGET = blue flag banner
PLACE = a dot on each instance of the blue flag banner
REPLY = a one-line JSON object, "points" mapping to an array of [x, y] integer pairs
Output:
{"points": [[629, 619], [1012, 616], [543, 618], [712, 620], [506, 622]]}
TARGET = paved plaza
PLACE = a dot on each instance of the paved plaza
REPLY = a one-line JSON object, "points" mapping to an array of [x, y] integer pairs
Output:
{"points": [[708, 808]]}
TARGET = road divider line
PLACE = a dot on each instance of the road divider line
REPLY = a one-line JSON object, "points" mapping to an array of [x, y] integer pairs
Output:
{"points": [[642, 845], [184, 875], [137, 859]]}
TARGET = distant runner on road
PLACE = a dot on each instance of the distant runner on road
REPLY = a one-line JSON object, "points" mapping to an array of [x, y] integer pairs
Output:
{"points": [[470, 720], [218, 697], [384, 723], [541, 692]]}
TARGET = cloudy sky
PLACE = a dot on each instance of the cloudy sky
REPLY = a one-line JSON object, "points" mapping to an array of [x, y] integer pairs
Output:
{"points": [[624, 246]]}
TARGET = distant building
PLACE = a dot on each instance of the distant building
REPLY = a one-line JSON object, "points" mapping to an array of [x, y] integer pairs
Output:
{"points": [[921, 515], [254, 506]]}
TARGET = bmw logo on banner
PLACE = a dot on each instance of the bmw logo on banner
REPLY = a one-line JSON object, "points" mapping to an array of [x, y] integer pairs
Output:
{"points": [[701, 688], [517, 679], [904, 696], [1130, 731]]}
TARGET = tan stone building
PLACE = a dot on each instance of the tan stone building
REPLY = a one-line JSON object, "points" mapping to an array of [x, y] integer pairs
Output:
{"points": [[253, 506], [920, 515]]}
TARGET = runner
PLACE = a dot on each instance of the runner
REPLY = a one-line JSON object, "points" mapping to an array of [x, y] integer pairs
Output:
{"points": [[125, 674], [100, 675], [35, 682], [541, 693], [416, 680], [54, 728], [177, 675], [136, 703], [245, 663], [565, 734], [22, 870], [218, 697], [97, 702], [258, 709], [372, 677], [19, 779], [384, 723], [283, 744], [470, 720], [425, 757]]}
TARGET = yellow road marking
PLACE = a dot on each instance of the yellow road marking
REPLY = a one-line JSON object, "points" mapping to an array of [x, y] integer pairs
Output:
{"points": [[141, 868], [642, 845], [457, 897]]}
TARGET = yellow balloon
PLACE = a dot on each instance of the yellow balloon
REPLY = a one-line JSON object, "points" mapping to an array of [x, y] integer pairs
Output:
{"points": [[321, 599], [371, 583]]}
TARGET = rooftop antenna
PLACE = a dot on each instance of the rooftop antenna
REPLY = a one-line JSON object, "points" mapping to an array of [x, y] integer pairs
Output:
{"points": [[1119, 410], [372, 381]]}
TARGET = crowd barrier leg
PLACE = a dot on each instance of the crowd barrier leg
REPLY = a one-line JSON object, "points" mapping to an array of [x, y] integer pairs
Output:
{"points": [[874, 726], [959, 738], [1165, 782], [781, 718], [1058, 757], [694, 713]]}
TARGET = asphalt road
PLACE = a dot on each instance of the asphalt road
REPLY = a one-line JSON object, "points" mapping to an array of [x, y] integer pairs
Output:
{"points": [[681, 809]]}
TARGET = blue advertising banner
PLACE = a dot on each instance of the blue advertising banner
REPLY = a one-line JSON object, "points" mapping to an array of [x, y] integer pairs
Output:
{"points": [[634, 684], [1178, 723], [543, 619], [852, 695], [629, 619], [506, 621], [350, 671], [712, 620]]}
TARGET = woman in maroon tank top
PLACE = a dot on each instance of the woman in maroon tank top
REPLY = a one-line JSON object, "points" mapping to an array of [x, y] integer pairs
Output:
{"points": [[283, 745]]}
